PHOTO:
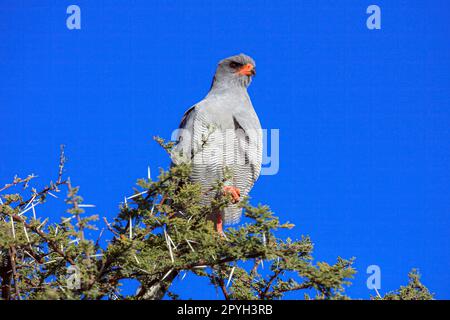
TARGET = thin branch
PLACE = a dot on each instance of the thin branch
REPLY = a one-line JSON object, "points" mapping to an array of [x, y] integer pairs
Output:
{"points": [[269, 283], [223, 288], [302, 286], [255, 267], [74, 201], [17, 181], [62, 161], [42, 234]]}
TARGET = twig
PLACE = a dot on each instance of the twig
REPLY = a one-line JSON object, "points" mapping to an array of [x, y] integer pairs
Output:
{"points": [[50, 242], [17, 181], [99, 237], [62, 161], [302, 286], [110, 228], [74, 201], [255, 266], [222, 284], [269, 283]]}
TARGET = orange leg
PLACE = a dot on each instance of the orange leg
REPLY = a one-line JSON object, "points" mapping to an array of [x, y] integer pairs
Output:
{"points": [[219, 223]]}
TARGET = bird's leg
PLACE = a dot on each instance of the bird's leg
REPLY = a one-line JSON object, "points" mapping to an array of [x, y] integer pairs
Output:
{"points": [[219, 223], [235, 195], [234, 192], [162, 200]]}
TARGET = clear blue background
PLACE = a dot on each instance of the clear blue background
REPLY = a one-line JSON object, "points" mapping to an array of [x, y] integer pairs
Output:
{"points": [[363, 115]]}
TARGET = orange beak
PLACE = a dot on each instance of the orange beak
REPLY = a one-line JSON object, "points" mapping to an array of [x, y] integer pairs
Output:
{"points": [[247, 70]]}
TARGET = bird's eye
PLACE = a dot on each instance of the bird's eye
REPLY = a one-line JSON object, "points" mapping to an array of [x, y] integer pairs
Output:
{"points": [[234, 65]]}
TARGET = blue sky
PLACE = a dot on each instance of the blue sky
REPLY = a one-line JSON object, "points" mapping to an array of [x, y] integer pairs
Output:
{"points": [[363, 114]]}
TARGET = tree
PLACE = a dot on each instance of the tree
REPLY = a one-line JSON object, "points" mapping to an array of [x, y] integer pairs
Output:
{"points": [[160, 233], [414, 290]]}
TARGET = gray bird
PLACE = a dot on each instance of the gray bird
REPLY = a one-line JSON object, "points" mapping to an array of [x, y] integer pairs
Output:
{"points": [[221, 136]]}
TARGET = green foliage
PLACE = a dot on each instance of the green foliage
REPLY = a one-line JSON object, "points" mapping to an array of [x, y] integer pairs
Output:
{"points": [[414, 290], [160, 233]]}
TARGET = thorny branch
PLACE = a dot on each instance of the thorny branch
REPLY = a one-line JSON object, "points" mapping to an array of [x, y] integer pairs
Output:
{"points": [[37, 257], [18, 181]]}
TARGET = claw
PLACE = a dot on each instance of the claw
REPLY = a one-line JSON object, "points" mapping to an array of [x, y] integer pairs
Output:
{"points": [[235, 193]]}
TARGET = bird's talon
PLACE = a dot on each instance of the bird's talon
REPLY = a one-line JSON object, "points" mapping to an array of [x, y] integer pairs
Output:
{"points": [[234, 192]]}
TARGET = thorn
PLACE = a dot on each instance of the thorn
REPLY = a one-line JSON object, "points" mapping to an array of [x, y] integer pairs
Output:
{"points": [[148, 173], [173, 244], [86, 205], [26, 252], [30, 208], [26, 234], [378, 294], [34, 212], [13, 228], [145, 271], [137, 195], [31, 201], [169, 246], [68, 219], [52, 195], [184, 276], [165, 276], [189, 244], [42, 224], [131, 228], [135, 258], [231, 276]]}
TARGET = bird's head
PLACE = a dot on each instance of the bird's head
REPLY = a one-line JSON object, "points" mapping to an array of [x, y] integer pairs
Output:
{"points": [[235, 71]]}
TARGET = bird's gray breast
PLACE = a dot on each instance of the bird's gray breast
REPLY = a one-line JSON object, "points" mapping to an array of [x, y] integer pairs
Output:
{"points": [[221, 136]]}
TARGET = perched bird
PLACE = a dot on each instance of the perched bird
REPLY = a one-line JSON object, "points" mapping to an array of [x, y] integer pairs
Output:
{"points": [[221, 136]]}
